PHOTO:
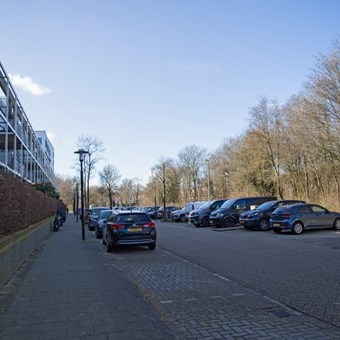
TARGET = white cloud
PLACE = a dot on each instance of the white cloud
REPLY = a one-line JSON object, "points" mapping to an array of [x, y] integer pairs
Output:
{"points": [[28, 85]]}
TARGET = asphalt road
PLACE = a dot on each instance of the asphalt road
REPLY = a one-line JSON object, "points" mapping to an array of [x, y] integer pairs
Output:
{"points": [[240, 283]]}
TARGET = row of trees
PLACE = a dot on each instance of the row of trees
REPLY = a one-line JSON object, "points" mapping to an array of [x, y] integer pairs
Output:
{"points": [[290, 150]]}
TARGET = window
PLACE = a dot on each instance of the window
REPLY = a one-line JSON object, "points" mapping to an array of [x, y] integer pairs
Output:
{"points": [[303, 209], [318, 209], [240, 204]]}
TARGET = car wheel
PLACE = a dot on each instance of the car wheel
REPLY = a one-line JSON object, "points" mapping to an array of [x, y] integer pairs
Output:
{"points": [[297, 228], [108, 247], [337, 224], [277, 230], [152, 246], [229, 222], [263, 224], [182, 218], [205, 221]]}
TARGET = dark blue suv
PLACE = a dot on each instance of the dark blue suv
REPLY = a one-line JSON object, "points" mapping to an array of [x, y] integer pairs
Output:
{"points": [[228, 215], [200, 217], [259, 217]]}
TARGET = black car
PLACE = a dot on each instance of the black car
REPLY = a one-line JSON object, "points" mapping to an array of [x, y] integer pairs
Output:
{"points": [[259, 217], [168, 210], [129, 228], [100, 222], [153, 212], [94, 216], [200, 217], [229, 213]]}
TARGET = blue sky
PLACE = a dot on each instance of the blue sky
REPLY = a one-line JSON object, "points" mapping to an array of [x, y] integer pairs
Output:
{"points": [[150, 77]]}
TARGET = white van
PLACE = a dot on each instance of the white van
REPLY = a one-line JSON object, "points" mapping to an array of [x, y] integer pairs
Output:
{"points": [[192, 206]]}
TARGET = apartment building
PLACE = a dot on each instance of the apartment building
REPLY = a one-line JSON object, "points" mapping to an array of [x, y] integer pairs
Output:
{"points": [[21, 152]]}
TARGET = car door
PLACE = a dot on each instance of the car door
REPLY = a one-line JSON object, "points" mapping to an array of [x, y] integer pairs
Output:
{"points": [[322, 218], [305, 214], [239, 207]]}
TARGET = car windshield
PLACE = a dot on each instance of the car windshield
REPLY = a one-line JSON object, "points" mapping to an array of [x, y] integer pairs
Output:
{"points": [[205, 205], [96, 211], [105, 214], [133, 218], [228, 204], [265, 206], [281, 210]]}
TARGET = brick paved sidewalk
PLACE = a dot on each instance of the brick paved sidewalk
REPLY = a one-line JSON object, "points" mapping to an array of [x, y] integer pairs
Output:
{"points": [[68, 289]]}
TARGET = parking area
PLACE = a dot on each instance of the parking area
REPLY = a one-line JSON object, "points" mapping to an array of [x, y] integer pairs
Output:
{"points": [[240, 283]]}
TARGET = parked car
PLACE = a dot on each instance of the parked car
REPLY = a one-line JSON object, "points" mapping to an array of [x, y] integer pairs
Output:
{"points": [[190, 206], [168, 210], [87, 213], [299, 217], [259, 217], [94, 216], [153, 212], [200, 217], [228, 215], [101, 221], [178, 215], [129, 228]]}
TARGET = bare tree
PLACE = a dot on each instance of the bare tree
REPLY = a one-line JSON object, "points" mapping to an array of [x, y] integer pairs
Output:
{"points": [[66, 189], [126, 192], [190, 162], [137, 190], [95, 148], [109, 177], [268, 123]]}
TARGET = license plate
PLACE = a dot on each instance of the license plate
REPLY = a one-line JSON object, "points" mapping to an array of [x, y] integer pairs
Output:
{"points": [[133, 230], [276, 224], [241, 222]]}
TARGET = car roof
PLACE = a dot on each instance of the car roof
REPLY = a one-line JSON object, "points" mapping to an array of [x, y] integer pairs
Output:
{"points": [[126, 212]]}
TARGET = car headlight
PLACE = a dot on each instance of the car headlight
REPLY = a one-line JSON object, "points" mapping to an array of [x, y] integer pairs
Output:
{"points": [[220, 215]]}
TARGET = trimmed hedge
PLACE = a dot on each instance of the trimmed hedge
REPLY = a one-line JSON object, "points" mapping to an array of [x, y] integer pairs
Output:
{"points": [[21, 205]]}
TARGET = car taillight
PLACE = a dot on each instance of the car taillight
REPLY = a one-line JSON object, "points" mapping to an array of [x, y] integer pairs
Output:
{"points": [[150, 225], [115, 226], [286, 215]]}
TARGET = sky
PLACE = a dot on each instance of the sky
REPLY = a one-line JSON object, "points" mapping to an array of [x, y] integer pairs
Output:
{"points": [[150, 77]]}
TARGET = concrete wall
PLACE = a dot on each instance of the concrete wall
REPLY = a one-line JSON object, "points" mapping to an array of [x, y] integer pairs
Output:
{"points": [[16, 248]]}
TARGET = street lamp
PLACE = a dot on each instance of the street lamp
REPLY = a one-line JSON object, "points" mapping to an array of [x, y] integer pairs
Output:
{"points": [[164, 193], [82, 153], [77, 200], [208, 169]]}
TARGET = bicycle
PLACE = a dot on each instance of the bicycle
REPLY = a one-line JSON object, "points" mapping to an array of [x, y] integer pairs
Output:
{"points": [[57, 223]]}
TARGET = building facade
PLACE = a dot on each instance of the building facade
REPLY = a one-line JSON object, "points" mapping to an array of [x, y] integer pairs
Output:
{"points": [[46, 145], [21, 153]]}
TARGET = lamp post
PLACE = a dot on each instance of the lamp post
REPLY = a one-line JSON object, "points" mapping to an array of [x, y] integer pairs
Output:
{"points": [[208, 170], [82, 153], [164, 193], [77, 200]]}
